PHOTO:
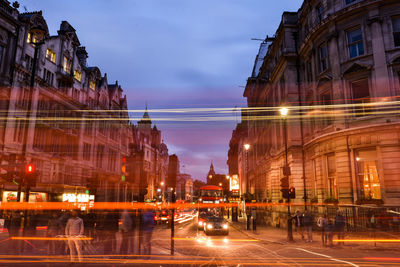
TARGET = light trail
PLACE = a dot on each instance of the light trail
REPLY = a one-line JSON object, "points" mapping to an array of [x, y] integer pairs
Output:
{"points": [[49, 238], [369, 240], [215, 239]]}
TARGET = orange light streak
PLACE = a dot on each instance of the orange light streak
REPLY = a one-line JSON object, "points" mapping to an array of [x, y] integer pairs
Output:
{"points": [[369, 240], [216, 239], [48, 238]]}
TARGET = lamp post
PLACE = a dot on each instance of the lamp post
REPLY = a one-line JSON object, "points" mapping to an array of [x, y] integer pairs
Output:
{"points": [[248, 214], [286, 171]]}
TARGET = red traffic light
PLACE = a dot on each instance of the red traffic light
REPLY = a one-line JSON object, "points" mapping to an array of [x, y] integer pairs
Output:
{"points": [[30, 168], [123, 160]]}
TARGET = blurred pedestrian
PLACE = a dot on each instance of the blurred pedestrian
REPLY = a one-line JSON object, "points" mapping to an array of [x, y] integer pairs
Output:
{"points": [[54, 228], [308, 221], [14, 229], [107, 227], [254, 215], [329, 231], [74, 231], [339, 226], [323, 223], [148, 227], [298, 219], [126, 229]]}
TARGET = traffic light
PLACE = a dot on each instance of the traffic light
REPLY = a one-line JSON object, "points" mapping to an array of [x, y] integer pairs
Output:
{"points": [[284, 183], [123, 169], [30, 174], [285, 193], [292, 192]]}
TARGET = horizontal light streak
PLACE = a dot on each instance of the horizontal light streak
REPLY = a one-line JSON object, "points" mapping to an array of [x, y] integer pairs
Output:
{"points": [[133, 205], [369, 240], [216, 239], [49, 238]]}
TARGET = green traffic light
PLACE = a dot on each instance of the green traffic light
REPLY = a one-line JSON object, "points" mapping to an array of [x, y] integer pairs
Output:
{"points": [[123, 178]]}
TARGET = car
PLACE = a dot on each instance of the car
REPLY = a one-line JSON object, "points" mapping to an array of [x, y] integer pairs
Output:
{"points": [[162, 217], [216, 225], [201, 218]]}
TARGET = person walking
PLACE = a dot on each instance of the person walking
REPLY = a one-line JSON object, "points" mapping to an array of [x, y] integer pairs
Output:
{"points": [[298, 219], [308, 224], [148, 227], [53, 229], [74, 230], [126, 229], [323, 223], [14, 228], [339, 226], [329, 231]]}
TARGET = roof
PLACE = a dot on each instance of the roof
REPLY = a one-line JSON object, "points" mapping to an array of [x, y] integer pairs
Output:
{"points": [[210, 187]]}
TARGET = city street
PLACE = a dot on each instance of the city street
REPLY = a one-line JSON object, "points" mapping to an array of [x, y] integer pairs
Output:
{"points": [[194, 248]]}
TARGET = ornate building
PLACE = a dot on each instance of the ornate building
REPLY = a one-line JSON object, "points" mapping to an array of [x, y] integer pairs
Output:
{"points": [[67, 119], [335, 64], [149, 158]]}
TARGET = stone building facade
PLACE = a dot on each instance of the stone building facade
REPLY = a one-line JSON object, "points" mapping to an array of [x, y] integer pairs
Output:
{"points": [[72, 124], [335, 64]]}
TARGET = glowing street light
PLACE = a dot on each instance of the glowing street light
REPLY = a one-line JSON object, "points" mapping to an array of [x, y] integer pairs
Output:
{"points": [[284, 112], [246, 147], [228, 177]]}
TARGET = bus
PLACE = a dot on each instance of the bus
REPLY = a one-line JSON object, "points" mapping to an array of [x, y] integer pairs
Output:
{"points": [[209, 194]]}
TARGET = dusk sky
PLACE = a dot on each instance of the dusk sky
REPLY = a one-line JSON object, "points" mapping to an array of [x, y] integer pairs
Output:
{"points": [[174, 54]]}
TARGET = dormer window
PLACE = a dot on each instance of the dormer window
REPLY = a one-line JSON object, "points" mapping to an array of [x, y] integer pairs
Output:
{"points": [[77, 75], [320, 13], [51, 55], [67, 65], [32, 38], [92, 85]]}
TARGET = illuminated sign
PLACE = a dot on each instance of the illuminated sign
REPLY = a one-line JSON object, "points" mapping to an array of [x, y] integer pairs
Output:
{"points": [[69, 197], [234, 183]]}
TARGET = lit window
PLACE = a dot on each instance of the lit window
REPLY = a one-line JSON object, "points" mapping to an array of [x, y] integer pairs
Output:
{"points": [[355, 41], [368, 177], [29, 39], [51, 55], [78, 75], [67, 65], [396, 31], [331, 171], [323, 56], [92, 85]]}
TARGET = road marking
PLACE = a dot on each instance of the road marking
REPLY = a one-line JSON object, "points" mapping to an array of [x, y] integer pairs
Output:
{"points": [[327, 256]]}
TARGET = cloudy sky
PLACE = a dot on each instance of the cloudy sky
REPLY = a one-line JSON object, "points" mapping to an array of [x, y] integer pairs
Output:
{"points": [[174, 54]]}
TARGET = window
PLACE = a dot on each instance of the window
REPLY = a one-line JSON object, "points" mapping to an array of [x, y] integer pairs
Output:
{"points": [[367, 172], [396, 31], [67, 65], [355, 41], [331, 174], [1, 54], [99, 156], [323, 57], [48, 77], [309, 71], [320, 13], [86, 151], [51, 55], [92, 85], [112, 159], [30, 37], [348, 2], [325, 96], [28, 62], [360, 95], [78, 75]]}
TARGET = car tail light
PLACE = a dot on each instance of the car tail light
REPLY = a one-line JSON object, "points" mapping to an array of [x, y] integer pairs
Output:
{"points": [[168, 217]]}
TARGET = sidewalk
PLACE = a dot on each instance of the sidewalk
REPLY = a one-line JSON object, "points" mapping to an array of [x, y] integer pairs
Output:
{"points": [[272, 235]]}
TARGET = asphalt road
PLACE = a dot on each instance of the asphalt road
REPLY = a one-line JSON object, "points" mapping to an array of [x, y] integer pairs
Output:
{"points": [[194, 248]]}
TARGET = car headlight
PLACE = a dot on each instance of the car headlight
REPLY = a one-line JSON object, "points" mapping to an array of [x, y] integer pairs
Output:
{"points": [[200, 223], [209, 226], [225, 226]]}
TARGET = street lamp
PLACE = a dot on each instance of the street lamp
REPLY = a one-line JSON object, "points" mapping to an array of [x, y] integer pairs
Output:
{"points": [[286, 170], [248, 214]]}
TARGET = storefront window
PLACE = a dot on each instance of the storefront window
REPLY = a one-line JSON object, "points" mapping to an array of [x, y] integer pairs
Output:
{"points": [[368, 177]]}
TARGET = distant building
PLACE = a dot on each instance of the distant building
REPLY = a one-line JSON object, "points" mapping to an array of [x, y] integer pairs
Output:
{"points": [[217, 179], [184, 187]]}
